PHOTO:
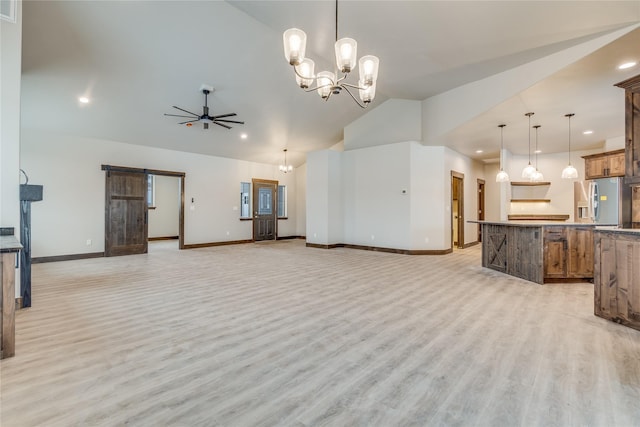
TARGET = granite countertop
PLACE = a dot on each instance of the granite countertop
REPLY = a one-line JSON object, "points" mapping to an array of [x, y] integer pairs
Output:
{"points": [[9, 244], [542, 223]]}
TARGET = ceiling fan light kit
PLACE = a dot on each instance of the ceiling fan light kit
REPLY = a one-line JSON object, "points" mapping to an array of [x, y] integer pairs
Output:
{"points": [[205, 118], [329, 83]]}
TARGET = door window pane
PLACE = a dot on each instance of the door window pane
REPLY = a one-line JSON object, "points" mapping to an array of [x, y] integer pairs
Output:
{"points": [[265, 201]]}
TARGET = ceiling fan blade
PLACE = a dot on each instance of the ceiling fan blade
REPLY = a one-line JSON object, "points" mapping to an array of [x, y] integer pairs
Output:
{"points": [[177, 115], [182, 109], [188, 121], [224, 115], [228, 121], [224, 126]]}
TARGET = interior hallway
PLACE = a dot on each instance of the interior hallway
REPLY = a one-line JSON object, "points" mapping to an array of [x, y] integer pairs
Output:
{"points": [[280, 334]]}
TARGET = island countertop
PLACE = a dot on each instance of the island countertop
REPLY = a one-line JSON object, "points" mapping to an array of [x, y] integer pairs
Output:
{"points": [[545, 223], [9, 244]]}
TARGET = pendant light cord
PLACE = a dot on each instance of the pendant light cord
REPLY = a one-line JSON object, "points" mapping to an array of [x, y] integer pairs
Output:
{"points": [[501, 144], [336, 20], [569, 117], [529, 131]]}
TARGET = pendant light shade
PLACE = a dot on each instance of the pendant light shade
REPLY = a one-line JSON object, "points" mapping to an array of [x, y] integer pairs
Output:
{"points": [[569, 172], [346, 54], [326, 79], [502, 176], [529, 170], [305, 76], [295, 44], [537, 175]]}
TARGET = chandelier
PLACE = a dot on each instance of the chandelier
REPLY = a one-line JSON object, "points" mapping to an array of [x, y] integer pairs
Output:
{"points": [[285, 168], [329, 83]]}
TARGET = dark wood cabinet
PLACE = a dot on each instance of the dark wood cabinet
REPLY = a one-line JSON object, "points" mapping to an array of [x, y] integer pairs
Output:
{"points": [[568, 252], [604, 165], [617, 276], [632, 128]]}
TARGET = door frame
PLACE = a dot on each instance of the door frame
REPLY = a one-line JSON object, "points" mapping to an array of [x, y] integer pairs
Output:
{"points": [[481, 191], [459, 177], [255, 181], [180, 175]]}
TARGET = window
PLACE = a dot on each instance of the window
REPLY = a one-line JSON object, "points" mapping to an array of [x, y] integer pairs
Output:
{"points": [[151, 191], [282, 201], [8, 10], [245, 189]]}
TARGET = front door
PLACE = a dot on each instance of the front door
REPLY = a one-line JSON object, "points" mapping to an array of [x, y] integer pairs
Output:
{"points": [[125, 213], [264, 209]]}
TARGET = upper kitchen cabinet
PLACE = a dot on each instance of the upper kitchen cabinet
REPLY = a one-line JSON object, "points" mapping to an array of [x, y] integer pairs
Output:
{"points": [[632, 128], [602, 165]]}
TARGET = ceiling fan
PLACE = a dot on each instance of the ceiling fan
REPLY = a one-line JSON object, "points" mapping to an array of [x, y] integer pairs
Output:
{"points": [[205, 117]]}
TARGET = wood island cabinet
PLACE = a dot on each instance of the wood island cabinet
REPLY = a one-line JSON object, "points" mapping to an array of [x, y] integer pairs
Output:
{"points": [[604, 165], [617, 276], [568, 252], [541, 253]]}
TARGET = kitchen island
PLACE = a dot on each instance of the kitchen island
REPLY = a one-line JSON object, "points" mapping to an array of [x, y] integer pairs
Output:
{"points": [[617, 276], [541, 252]]}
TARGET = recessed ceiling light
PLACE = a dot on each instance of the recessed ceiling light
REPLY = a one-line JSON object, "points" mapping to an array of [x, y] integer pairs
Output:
{"points": [[587, 132], [479, 151], [627, 65], [538, 151], [83, 100], [244, 136]]}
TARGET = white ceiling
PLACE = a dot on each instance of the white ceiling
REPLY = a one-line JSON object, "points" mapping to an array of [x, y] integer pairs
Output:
{"points": [[137, 59]]}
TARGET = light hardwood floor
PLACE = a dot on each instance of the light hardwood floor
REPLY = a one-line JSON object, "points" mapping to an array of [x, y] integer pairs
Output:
{"points": [[278, 334]]}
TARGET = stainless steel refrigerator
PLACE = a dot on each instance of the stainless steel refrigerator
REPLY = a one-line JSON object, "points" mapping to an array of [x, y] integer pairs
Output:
{"points": [[605, 198]]}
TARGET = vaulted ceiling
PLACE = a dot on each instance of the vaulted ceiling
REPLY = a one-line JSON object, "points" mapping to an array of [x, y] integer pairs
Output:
{"points": [[137, 59]]}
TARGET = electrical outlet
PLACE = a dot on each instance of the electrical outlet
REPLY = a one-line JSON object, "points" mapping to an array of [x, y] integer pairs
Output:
{"points": [[88, 242]]}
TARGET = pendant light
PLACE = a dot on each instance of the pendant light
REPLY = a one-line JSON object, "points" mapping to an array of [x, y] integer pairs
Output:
{"points": [[529, 170], [537, 175], [502, 176], [569, 172]]}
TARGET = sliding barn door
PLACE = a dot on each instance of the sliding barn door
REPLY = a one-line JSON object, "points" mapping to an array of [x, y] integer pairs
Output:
{"points": [[125, 213]]}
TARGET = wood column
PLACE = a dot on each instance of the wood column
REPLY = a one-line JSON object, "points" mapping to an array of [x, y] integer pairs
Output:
{"points": [[8, 304]]}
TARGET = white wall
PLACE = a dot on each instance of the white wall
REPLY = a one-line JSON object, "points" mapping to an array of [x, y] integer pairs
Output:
{"points": [[10, 59], [72, 211], [393, 196], [164, 220], [324, 198], [430, 226], [301, 200], [376, 211], [374, 128]]}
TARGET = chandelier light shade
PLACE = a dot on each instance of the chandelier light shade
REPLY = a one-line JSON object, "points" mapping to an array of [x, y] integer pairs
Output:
{"points": [[285, 168], [569, 172], [502, 176], [305, 78], [529, 170], [537, 175], [329, 83], [295, 44]]}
